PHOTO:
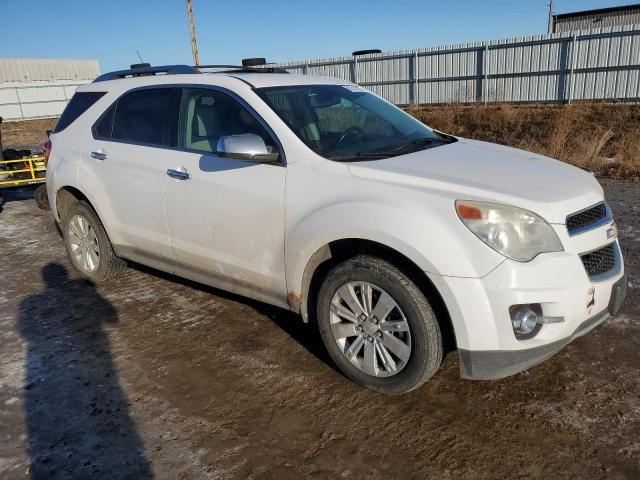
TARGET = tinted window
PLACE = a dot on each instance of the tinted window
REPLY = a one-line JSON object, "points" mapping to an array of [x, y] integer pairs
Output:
{"points": [[104, 126], [145, 116], [208, 115], [78, 104]]}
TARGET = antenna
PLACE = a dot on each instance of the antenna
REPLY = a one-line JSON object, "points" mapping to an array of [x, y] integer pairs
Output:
{"points": [[192, 30], [141, 60]]}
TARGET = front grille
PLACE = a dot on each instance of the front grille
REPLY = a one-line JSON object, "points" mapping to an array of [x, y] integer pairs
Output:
{"points": [[585, 218], [600, 261]]}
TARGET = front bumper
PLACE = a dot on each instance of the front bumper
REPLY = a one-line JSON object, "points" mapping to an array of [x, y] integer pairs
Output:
{"points": [[479, 311], [491, 365]]}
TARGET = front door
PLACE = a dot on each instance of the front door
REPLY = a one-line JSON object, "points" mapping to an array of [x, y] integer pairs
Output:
{"points": [[225, 216]]}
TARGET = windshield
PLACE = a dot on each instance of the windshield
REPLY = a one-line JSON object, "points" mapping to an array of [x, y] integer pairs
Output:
{"points": [[348, 123]]}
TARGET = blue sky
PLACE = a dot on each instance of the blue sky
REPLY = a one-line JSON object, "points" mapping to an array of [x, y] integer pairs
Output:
{"points": [[228, 30]]}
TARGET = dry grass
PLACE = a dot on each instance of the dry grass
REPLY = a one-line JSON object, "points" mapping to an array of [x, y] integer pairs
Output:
{"points": [[603, 138], [28, 134]]}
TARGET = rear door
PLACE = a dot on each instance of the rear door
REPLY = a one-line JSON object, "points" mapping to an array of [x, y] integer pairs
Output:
{"points": [[226, 216], [126, 155]]}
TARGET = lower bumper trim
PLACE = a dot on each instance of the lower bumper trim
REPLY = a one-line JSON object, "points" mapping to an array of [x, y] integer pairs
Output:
{"points": [[618, 294], [495, 364]]}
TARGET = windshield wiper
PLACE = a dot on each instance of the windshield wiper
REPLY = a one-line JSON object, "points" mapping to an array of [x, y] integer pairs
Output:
{"points": [[404, 148], [420, 142], [362, 156]]}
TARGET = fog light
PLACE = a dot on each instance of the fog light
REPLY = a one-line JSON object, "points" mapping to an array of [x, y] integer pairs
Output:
{"points": [[524, 321], [527, 320]]}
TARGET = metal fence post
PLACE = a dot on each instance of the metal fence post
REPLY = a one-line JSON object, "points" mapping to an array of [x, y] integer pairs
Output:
{"points": [[415, 78], [485, 80], [574, 44], [354, 75], [19, 104]]}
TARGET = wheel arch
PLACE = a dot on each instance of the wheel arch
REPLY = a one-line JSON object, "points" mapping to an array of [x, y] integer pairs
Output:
{"points": [[337, 251], [65, 196]]}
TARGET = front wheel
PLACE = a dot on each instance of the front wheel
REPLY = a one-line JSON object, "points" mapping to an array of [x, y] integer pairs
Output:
{"points": [[377, 326]]}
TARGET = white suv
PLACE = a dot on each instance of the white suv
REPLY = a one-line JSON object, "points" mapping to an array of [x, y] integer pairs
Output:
{"points": [[315, 195]]}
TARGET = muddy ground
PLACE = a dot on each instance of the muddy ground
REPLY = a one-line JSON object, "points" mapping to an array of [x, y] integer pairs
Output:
{"points": [[153, 377]]}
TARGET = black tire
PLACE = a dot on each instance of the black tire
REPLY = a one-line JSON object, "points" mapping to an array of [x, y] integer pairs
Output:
{"points": [[41, 198], [24, 153], [109, 265], [11, 154], [426, 340]]}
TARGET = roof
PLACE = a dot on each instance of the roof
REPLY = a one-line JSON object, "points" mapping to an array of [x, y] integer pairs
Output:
{"points": [[598, 11], [257, 80], [260, 80]]}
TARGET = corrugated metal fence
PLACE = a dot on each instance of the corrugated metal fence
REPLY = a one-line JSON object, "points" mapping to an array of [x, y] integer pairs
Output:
{"points": [[40, 88], [601, 64]]}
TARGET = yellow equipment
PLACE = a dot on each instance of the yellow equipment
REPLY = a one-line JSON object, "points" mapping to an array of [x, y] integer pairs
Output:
{"points": [[25, 171]]}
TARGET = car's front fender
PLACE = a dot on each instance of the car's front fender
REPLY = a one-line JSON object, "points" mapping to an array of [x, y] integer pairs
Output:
{"points": [[433, 243]]}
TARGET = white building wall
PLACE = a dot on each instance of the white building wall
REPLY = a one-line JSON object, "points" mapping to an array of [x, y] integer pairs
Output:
{"points": [[40, 88]]}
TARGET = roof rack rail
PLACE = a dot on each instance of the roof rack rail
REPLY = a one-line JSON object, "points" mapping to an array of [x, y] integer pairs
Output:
{"points": [[241, 69], [199, 67], [139, 72]]}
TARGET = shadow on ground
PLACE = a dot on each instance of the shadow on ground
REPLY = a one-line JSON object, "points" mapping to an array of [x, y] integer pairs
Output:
{"points": [[78, 421], [306, 334]]}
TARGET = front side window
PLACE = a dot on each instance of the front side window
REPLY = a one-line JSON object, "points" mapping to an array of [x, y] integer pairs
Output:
{"points": [[347, 123], [143, 116], [207, 115]]}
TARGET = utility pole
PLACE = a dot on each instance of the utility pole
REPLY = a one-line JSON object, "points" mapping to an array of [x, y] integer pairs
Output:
{"points": [[550, 24], [192, 29]]}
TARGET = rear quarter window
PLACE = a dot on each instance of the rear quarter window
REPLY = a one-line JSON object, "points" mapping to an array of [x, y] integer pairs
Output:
{"points": [[105, 125], [79, 103]]}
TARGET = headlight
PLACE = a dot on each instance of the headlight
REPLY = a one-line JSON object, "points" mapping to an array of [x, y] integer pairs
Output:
{"points": [[516, 233]]}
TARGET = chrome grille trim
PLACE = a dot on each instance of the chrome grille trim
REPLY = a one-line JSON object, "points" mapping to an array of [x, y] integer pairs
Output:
{"points": [[588, 218], [602, 263]]}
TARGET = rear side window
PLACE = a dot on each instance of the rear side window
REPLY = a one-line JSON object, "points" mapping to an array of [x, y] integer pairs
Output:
{"points": [[144, 116], [105, 124], [78, 104]]}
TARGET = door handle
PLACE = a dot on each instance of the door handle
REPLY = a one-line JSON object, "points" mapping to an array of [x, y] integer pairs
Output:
{"points": [[99, 154], [180, 174]]}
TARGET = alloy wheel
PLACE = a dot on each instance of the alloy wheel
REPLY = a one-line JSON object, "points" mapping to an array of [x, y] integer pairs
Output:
{"points": [[83, 243], [370, 329]]}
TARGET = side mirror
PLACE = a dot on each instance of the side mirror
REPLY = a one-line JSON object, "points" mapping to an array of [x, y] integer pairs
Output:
{"points": [[245, 146]]}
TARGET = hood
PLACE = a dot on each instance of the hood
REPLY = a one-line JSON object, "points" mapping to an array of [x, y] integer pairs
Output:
{"points": [[473, 170]]}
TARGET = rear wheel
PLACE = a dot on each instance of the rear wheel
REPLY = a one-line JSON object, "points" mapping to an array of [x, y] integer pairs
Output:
{"points": [[87, 244], [377, 326]]}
